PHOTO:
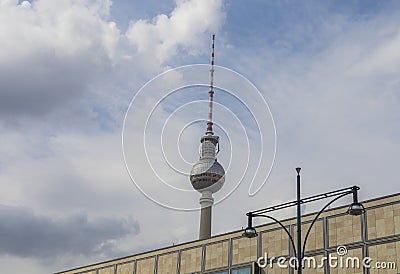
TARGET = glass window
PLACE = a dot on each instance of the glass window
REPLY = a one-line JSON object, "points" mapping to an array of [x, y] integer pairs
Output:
{"points": [[244, 270]]}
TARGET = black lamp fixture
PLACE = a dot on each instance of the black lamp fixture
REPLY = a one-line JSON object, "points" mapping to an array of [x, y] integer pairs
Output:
{"points": [[355, 209], [250, 231]]}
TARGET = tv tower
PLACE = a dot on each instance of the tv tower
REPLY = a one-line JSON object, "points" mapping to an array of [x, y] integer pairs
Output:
{"points": [[207, 175]]}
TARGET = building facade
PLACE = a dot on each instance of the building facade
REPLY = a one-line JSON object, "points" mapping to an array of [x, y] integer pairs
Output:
{"points": [[373, 237]]}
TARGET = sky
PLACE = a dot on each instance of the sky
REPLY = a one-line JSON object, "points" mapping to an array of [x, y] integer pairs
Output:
{"points": [[103, 103]]}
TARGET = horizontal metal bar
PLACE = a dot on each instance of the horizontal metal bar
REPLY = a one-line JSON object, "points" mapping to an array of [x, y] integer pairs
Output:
{"points": [[304, 201]]}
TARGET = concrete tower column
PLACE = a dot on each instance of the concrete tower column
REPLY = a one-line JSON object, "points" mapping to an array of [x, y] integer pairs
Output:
{"points": [[206, 203]]}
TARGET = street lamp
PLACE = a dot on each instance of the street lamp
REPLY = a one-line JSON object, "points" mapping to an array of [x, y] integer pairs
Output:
{"points": [[250, 231], [355, 209]]}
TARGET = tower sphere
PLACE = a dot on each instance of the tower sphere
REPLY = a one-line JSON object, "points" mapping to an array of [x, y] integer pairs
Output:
{"points": [[207, 174]]}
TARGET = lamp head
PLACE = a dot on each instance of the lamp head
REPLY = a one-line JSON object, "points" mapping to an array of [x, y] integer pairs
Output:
{"points": [[250, 232], [356, 209]]}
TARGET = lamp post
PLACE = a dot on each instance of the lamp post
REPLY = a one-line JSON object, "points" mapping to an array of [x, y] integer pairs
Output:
{"points": [[354, 209], [299, 257]]}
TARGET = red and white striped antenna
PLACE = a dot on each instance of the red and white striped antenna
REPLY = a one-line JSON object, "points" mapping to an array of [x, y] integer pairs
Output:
{"points": [[211, 92]]}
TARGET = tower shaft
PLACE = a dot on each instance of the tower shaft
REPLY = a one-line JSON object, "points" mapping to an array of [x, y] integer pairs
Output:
{"points": [[206, 202]]}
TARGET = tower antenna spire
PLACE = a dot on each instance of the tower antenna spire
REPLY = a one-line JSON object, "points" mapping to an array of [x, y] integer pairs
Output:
{"points": [[211, 92]]}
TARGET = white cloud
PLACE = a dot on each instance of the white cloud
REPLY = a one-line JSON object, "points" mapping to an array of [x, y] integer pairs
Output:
{"points": [[52, 52], [62, 29], [185, 27]]}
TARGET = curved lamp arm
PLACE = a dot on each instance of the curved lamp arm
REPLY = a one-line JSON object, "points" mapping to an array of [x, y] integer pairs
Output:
{"points": [[316, 217], [287, 232]]}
